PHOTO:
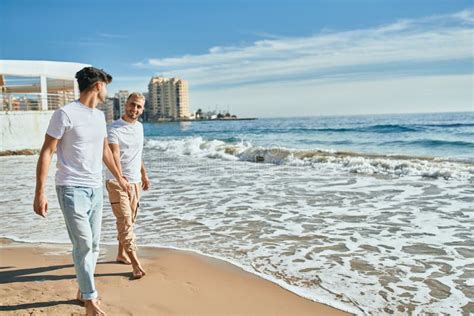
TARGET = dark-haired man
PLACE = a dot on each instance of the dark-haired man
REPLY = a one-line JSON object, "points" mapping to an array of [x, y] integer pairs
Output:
{"points": [[78, 132]]}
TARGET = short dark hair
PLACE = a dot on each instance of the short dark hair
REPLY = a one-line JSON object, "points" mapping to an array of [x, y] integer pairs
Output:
{"points": [[87, 76]]}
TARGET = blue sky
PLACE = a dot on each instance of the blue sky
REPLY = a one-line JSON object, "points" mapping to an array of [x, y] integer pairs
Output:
{"points": [[264, 58]]}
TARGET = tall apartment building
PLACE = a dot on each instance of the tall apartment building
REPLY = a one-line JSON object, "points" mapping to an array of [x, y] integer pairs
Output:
{"points": [[108, 108], [146, 113], [168, 98], [121, 96]]}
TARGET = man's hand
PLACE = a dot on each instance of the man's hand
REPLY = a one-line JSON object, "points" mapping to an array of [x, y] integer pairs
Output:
{"points": [[123, 182], [40, 205], [146, 183]]}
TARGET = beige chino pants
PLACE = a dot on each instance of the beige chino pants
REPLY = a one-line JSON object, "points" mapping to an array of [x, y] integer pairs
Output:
{"points": [[125, 208]]}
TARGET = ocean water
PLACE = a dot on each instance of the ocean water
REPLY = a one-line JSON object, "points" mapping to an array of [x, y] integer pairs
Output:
{"points": [[370, 214]]}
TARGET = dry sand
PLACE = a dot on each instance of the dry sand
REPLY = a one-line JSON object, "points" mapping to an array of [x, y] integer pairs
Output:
{"points": [[40, 279]]}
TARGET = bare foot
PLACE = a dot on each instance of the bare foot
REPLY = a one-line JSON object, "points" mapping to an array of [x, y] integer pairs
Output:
{"points": [[92, 308], [122, 256], [78, 296], [123, 259], [138, 272]]}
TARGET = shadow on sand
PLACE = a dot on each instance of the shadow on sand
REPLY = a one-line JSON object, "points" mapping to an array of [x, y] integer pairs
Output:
{"points": [[31, 275]]}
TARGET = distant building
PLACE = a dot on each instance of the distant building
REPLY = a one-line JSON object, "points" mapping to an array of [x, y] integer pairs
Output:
{"points": [[168, 98], [116, 108], [209, 115], [30, 90], [108, 108], [213, 115], [146, 112], [34, 85], [121, 96]]}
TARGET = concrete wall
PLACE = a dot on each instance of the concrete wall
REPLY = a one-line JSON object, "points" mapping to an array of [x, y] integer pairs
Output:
{"points": [[23, 129]]}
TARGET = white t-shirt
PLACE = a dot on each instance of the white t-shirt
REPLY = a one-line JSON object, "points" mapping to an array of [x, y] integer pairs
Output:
{"points": [[81, 132], [129, 137]]}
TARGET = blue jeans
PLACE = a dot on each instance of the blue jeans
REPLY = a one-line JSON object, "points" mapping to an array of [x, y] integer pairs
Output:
{"points": [[82, 210]]}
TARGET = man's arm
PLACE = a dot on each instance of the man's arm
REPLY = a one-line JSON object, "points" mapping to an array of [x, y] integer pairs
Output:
{"points": [[145, 180], [115, 149], [109, 161], [40, 204]]}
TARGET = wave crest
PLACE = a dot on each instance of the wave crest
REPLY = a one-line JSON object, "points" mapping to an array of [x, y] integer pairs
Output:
{"points": [[337, 161]]}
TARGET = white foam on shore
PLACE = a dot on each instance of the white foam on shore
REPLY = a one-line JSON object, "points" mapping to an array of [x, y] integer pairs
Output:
{"points": [[299, 291], [326, 234], [349, 162]]}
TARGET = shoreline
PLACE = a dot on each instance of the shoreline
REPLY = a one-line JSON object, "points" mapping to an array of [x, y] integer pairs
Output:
{"points": [[187, 281], [201, 120], [20, 152]]}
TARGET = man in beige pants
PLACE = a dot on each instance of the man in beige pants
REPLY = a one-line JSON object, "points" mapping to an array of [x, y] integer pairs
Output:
{"points": [[126, 137]]}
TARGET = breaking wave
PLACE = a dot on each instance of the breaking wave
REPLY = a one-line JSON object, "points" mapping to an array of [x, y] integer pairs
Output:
{"points": [[352, 162]]}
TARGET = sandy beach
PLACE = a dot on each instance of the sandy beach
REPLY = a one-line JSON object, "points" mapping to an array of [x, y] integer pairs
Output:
{"points": [[39, 279]]}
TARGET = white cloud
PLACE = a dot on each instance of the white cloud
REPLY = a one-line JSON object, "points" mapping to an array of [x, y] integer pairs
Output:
{"points": [[429, 39], [109, 35], [393, 68], [325, 97], [467, 16]]}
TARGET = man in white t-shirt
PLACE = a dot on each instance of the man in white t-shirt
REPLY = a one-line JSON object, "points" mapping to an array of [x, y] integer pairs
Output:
{"points": [[78, 133], [125, 137]]}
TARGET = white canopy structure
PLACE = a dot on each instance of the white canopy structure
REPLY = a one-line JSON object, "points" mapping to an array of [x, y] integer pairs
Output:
{"points": [[45, 84]]}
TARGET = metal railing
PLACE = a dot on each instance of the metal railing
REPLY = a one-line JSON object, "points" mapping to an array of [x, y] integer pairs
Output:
{"points": [[34, 101]]}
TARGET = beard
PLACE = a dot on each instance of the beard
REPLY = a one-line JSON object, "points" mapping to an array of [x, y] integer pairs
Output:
{"points": [[102, 96], [132, 115]]}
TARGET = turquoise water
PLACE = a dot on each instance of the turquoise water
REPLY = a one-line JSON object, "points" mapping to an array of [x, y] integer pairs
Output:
{"points": [[370, 214], [447, 135]]}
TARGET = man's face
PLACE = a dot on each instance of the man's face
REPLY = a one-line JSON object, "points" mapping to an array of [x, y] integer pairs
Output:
{"points": [[102, 95], [134, 107]]}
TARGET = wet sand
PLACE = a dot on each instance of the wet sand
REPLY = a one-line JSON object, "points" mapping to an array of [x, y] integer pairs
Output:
{"points": [[39, 279]]}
